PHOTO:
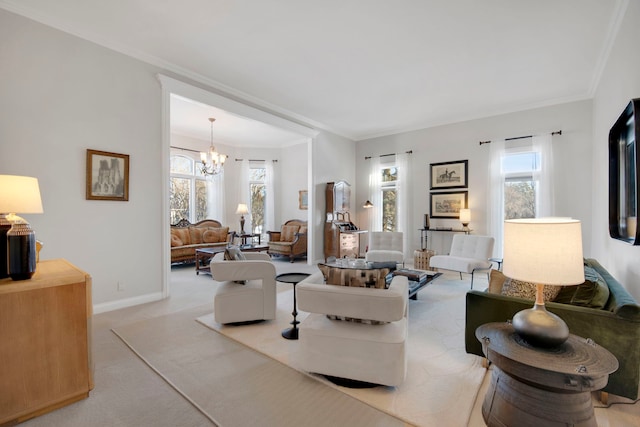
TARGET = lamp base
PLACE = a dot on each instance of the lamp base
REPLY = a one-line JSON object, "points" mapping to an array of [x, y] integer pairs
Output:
{"points": [[5, 225], [242, 224], [21, 243], [539, 327]]}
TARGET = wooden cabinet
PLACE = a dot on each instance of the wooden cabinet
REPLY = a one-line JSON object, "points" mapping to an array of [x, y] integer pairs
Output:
{"points": [[341, 236], [44, 341]]}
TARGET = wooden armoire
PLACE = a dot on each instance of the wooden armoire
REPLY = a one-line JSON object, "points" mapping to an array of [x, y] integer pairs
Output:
{"points": [[341, 236]]}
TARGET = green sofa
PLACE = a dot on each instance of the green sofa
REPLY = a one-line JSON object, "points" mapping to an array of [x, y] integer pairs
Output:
{"points": [[616, 327]]}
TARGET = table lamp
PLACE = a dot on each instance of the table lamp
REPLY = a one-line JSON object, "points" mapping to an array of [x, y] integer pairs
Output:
{"points": [[543, 251], [18, 194], [242, 210], [465, 218]]}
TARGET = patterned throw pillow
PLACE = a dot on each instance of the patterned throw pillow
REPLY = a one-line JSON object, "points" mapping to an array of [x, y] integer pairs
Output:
{"points": [[527, 290], [288, 233], [233, 253], [182, 234], [593, 293], [496, 282], [196, 234], [175, 241], [215, 235]]}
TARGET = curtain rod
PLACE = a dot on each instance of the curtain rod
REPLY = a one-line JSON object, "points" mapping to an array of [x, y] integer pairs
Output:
{"points": [[184, 149], [256, 160], [390, 154], [558, 132]]}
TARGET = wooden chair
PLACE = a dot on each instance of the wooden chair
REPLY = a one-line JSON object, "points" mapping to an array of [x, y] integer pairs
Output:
{"points": [[290, 241]]}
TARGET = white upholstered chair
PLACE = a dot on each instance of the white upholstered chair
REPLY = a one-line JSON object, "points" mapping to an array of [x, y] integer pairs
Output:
{"points": [[373, 352], [385, 246], [247, 291], [468, 254]]}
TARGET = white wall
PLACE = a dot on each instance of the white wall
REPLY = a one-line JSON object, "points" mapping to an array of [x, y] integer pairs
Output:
{"points": [[333, 159], [460, 141], [620, 82], [61, 95]]}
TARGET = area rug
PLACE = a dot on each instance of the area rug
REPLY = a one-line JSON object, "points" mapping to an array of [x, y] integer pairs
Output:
{"points": [[442, 380], [235, 386]]}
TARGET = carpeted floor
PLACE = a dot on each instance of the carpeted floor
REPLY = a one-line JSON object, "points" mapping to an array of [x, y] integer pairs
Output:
{"points": [[441, 386], [236, 387]]}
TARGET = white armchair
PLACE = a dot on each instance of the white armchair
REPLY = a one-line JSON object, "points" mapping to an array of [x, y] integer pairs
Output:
{"points": [[373, 349], [247, 291], [385, 246], [468, 254]]}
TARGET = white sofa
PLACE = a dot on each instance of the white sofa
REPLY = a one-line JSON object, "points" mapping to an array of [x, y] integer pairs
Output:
{"points": [[373, 353], [468, 254], [255, 299]]}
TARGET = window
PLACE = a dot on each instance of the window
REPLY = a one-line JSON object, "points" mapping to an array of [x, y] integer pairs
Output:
{"points": [[520, 187], [388, 185], [188, 190], [257, 192]]}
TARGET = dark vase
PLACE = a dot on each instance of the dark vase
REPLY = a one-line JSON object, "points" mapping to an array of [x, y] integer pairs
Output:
{"points": [[5, 225], [21, 243]]}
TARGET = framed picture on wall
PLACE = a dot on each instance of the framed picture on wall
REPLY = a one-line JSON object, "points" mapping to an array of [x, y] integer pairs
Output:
{"points": [[107, 176], [303, 200], [449, 175], [448, 204]]}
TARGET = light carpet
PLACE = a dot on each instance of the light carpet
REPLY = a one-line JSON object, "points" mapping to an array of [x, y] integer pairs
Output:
{"points": [[442, 380], [234, 386]]}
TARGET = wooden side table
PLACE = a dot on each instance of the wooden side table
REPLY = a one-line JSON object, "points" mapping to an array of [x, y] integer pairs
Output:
{"points": [[45, 350], [546, 387]]}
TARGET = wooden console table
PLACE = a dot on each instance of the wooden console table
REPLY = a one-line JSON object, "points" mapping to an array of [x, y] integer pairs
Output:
{"points": [[45, 330]]}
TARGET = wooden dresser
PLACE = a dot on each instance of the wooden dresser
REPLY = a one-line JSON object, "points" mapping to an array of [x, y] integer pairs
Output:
{"points": [[45, 341]]}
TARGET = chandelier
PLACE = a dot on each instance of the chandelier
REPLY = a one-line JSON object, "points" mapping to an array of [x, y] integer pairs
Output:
{"points": [[212, 161]]}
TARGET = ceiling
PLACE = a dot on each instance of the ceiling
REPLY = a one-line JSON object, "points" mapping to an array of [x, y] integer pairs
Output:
{"points": [[359, 68]]}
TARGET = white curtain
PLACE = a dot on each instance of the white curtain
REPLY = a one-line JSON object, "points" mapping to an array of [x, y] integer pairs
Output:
{"points": [[375, 195], [243, 194], [215, 198], [543, 175], [404, 204], [496, 194], [270, 210]]}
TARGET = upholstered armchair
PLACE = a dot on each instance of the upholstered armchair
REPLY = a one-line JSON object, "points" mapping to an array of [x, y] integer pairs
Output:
{"points": [[354, 332], [290, 241], [247, 291], [468, 254], [385, 246]]}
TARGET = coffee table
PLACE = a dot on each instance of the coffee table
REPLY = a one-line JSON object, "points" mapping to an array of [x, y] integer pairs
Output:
{"points": [[204, 255]]}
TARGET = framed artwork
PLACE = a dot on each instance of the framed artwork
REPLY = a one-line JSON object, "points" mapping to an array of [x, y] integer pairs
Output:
{"points": [[448, 204], [303, 200], [107, 176], [449, 174]]}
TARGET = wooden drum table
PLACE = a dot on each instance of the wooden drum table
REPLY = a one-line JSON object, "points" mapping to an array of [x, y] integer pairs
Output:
{"points": [[533, 386]]}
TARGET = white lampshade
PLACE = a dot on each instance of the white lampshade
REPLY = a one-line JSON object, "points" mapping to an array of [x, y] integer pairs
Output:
{"points": [[544, 251], [242, 209], [465, 216], [19, 194]]}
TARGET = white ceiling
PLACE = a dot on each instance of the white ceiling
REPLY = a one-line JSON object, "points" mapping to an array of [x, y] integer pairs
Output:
{"points": [[360, 68]]}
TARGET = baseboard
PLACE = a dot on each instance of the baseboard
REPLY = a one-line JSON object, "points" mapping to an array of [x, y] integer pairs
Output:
{"points": [[127, 302]]}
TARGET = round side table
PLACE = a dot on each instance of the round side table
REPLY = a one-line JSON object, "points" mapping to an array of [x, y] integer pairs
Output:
{"points": [[538, 386], [293, 278]]}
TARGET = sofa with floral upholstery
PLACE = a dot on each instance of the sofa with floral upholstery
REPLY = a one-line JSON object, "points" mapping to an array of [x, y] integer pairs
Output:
{"points": [[290, 241], [600, 309], [187, 237]]}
